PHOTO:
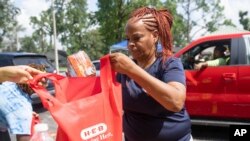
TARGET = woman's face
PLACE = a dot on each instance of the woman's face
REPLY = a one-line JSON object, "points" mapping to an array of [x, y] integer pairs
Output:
{"points": [[141, 41]]}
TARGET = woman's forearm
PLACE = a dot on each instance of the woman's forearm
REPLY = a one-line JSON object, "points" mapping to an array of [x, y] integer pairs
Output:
{"points": [[170, 95]]}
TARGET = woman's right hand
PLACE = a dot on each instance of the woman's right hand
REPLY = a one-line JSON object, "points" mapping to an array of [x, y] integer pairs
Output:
{"points": [[121, 63]]}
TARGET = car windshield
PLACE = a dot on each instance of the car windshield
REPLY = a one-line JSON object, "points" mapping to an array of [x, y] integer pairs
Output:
{"points": [[34, 60]]}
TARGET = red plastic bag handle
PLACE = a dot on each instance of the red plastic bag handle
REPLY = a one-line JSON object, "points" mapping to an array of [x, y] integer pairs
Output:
{"points": [[107, 75], [108, 83], [46, 98], [51, 76]]}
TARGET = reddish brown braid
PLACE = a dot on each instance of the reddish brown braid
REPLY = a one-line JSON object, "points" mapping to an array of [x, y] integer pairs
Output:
{"points": [[164, 22]]}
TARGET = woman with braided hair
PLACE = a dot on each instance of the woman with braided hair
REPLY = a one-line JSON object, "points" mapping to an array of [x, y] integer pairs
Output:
{"points": [[153, 85]]}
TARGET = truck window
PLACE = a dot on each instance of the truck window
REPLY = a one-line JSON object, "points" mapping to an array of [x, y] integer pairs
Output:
{"points": [[205, 52], [247, 42]]}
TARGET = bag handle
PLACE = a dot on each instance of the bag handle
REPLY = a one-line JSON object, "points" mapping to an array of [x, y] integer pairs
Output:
{"points": [[51, 76], [107, 74], [108, 81], [46, 98]]}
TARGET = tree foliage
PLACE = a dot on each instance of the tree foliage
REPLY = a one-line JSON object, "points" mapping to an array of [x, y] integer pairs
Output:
{"points": [[202, 16], [8, 13], [71, 24], [96, 32], [28, 44], [43, 26], [12, 38], [179, 25], [93, 45], [195, 16], [113, 14], [244, 20]]}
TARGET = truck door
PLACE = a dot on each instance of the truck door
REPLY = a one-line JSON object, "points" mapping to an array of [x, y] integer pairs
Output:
{"points": [[242, 106], [206, 87]]}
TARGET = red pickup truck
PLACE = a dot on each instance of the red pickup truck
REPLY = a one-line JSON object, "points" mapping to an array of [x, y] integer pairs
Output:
{"points": [[218, 95]]}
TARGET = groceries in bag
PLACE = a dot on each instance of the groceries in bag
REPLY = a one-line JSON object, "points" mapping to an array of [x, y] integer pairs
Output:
{"points": [[79, 64]]}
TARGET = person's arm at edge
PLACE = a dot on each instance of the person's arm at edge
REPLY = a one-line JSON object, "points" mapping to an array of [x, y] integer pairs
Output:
{"points": [[215, 62], [17, 74], [200, 65]]}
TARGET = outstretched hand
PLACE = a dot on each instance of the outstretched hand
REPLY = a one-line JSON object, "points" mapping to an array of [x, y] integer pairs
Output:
{"points": [[18, 74], [200, 66]]}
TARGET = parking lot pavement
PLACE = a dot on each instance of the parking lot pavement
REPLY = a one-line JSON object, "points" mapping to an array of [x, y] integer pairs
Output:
{"points": [[46, 118]]}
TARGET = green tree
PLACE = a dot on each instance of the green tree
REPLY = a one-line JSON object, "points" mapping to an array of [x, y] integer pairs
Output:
{"points": [[39, 36], [12, 37], [28, 44], [74, 24], [202, 16], [71, 23], [113, 14], [92, 44], [179, 25], [244, 20], [8, 13], [43, 26], [111, 17]]}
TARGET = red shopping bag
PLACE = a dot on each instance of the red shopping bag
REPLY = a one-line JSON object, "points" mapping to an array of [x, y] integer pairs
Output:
{"points": [[85, 108]]}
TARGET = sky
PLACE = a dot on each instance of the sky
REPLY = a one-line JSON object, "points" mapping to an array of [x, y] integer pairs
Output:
{"points": [[34, 7], [232, 8]]}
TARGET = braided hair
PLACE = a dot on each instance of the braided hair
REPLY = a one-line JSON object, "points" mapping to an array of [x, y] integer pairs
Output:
{"points": [[164, 21]]}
